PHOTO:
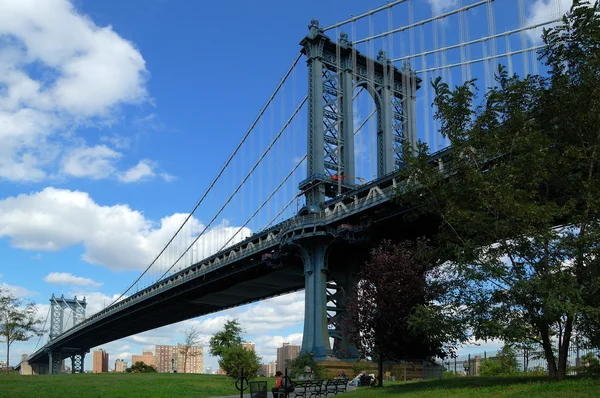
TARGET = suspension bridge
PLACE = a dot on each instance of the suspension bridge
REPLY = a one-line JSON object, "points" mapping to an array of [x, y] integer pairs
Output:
{"points": [[306, 192]]}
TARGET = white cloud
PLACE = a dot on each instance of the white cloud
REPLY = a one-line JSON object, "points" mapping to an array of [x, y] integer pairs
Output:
{"points": [[117, 141], [167, 177], [17, 291], [440, 6], [82, 73], [544, 11], [138, 172], [117, 236], [95, 162], [65, 278]]}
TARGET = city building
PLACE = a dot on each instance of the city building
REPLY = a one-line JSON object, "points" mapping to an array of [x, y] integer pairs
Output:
{"points": [[100, 361], [249, 346], [286, 353], [209, 370], [120, 366], [147, 357], [170, 358], [269, 369], [272, 369]]}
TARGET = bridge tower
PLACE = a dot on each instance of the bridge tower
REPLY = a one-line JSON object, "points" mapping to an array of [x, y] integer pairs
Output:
{"points": [[58, 307], [335, 70]]}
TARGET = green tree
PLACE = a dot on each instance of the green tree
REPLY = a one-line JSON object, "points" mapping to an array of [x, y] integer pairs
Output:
{"points": [[17, 321], [230, 336], [518, 198], [226, 345], [236, 358], [297, 366], [141, 367], [504, 364]]}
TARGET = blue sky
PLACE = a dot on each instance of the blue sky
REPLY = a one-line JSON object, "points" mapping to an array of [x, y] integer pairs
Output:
{"points": [[115, 116]]}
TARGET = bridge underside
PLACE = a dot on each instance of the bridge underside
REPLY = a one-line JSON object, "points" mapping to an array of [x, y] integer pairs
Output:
{"points": [[282, 265], [226, 288]]}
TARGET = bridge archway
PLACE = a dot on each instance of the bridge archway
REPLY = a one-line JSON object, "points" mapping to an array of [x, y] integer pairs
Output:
{"points": [[335, 69], [367, 127]]}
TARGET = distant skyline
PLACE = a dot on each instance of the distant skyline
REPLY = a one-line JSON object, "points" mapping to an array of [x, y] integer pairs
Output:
{"points": [[115, 116]]}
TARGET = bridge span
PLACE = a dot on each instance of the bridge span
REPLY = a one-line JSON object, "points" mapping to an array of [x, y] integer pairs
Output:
{"points": [[320, 247], [267, 264]]}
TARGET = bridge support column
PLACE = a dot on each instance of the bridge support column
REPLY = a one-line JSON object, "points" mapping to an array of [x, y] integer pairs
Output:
{"points": [[77, 362], [316, 336], [54, 362], [342, 287]]}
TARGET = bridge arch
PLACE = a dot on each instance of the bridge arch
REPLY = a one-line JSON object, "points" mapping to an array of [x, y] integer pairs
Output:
{"points": [[366, 98]]}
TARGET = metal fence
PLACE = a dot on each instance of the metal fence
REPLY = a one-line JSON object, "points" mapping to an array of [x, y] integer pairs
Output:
{"points": [[529, 361]]}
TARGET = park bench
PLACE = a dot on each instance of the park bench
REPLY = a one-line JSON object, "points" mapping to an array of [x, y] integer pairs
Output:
{"points": [[258, 389], [334, 386], [312, 388], [307, 388]]}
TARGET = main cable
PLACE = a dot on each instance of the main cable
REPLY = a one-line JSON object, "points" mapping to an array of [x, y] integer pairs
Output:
{"points": [[214, 181]]}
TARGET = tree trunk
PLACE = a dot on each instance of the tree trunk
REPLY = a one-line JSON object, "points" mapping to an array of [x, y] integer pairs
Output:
{"points": [[563, 349], [380, 371], [7, 355], [547, 346]]}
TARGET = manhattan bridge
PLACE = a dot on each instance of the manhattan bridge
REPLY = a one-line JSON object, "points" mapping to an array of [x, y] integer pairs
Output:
{"points": [[306, 191]]}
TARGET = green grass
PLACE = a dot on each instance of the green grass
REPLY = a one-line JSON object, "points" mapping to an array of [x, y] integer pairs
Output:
{"points": [[155, 385], [118, 385], [486, 387]]}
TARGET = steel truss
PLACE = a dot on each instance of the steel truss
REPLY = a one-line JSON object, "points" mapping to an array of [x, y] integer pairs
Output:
{"points": [[335, 70]]}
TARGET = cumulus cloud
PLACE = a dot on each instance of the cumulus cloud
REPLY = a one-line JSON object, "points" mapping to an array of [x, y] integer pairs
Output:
{"points": [[95, 162], [116, 237], [545, 11], [17, 291], [65, 278], [440, 6], [58, 69], [138, 172]]}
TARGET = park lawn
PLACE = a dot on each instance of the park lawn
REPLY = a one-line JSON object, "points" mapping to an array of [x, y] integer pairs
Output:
{"points": [[118, 385], [486, 387]]}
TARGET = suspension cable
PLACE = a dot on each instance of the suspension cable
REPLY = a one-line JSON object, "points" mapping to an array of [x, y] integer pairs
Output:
{"points": [[240, 185], [422, 22], [214, 181], [43, 328], [365, 14]]}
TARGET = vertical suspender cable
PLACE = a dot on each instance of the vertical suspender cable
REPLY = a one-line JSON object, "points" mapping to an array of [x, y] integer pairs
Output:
{"points": [[525, 57]]}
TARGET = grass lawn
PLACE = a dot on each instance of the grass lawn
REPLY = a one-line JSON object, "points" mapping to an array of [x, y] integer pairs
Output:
{"points": [[486, 387], [118, 385], [154, 385]]}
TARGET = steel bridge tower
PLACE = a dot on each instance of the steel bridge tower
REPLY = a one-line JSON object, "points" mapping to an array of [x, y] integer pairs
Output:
{"points": [[335, 71], [58, 307]]}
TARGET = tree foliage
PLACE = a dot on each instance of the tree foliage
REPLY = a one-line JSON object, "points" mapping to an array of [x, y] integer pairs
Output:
{"points": [[389, 286], [296, 367], [504, 364], [192, 338], [226, 345], [230, 336], [236, 358], [519, 198], [17, 321], [141, 367]]}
